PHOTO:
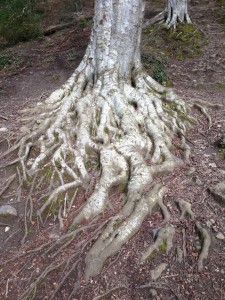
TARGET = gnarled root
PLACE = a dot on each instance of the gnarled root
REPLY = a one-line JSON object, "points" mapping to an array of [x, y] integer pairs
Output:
{"points": [[164, 238], [126, 130], [185, 208], [206, 241]]}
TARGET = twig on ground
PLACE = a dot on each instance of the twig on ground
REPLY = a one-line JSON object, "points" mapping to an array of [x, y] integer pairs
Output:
{"points": [[4, 118], [162, 286], [111, 291], [184, 244], [7, 184]]}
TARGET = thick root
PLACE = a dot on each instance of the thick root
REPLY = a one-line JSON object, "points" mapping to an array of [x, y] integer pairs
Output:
{"points": [[156, 273], [206, 241], [125, 131], [185, 208], [164, 239]]}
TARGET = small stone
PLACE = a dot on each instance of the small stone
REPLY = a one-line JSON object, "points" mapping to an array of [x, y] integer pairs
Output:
{"points": [[212, 221], [218, 191], [3, 129], [7, 210], [7, 228], [220, 236], [208, 223], [212, 165], [190, 171], [153, 292], [208, 172], [215, 228], [221, 171]]}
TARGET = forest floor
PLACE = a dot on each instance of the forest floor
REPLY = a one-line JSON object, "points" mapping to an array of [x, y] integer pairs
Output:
{"points": [[37, 68]]}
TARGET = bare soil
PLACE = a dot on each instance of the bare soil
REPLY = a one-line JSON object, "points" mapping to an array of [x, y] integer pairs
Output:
{"points": [[41, 67]]}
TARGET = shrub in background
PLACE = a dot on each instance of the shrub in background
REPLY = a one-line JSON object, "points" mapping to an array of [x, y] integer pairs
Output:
{"points": [[18, 20]]}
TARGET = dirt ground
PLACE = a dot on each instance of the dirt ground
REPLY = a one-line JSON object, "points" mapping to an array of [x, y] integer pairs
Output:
{"points": [[38, 68]]}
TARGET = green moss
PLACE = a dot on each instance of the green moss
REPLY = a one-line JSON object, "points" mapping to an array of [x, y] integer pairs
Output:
{"points": [[11, 60], [220, 85], [73, 227], [222, 21], [123, 187], [106, 130], [187, 42], [221, 146], [161, 248], [156, 67], [183, 117]]}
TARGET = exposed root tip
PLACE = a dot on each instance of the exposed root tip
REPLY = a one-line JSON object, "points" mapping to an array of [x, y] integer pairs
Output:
{"points": [[185, 208], [206, 241], [164, 241]]}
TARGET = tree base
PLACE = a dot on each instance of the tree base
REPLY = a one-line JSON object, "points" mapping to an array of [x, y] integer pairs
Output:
{"points": [[127, 128]]}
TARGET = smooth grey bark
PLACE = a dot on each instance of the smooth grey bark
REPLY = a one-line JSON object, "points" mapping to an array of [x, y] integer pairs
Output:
{"points": [[176, 12], [115, 40]]}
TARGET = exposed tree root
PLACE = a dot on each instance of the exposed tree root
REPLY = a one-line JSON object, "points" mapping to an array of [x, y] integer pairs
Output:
{"points": [[119, 127], [185, 208], [206, 241], [161, 286], [156, 273], [159, 18], [164, 239], [203, 110]]}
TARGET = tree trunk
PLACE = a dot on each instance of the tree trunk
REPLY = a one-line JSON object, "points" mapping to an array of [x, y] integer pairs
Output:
{"points": [[115, 40], [176, 12]]}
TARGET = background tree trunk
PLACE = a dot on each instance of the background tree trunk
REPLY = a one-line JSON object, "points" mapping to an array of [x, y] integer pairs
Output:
{"points": [[176, 11]]}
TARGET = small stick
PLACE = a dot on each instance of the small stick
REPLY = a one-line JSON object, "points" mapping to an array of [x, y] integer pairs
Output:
{"points": [[184, 244], [4, 118], [7, 288], [10, 180], [3, 224], [111, 291]]}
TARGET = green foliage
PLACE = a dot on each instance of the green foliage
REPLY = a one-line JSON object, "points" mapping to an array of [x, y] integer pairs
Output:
{"points": [[5, 61], [10, 60], [222, 21], [66, 8], [155, 65], [221, 146], [18, 20]]}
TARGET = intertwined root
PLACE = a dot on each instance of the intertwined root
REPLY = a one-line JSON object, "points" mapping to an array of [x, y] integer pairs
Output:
{"points": [[125, 129]]}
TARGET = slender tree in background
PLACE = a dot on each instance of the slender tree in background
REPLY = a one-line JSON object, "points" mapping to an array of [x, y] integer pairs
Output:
{"points": [[109, 112], [176, 11]]}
